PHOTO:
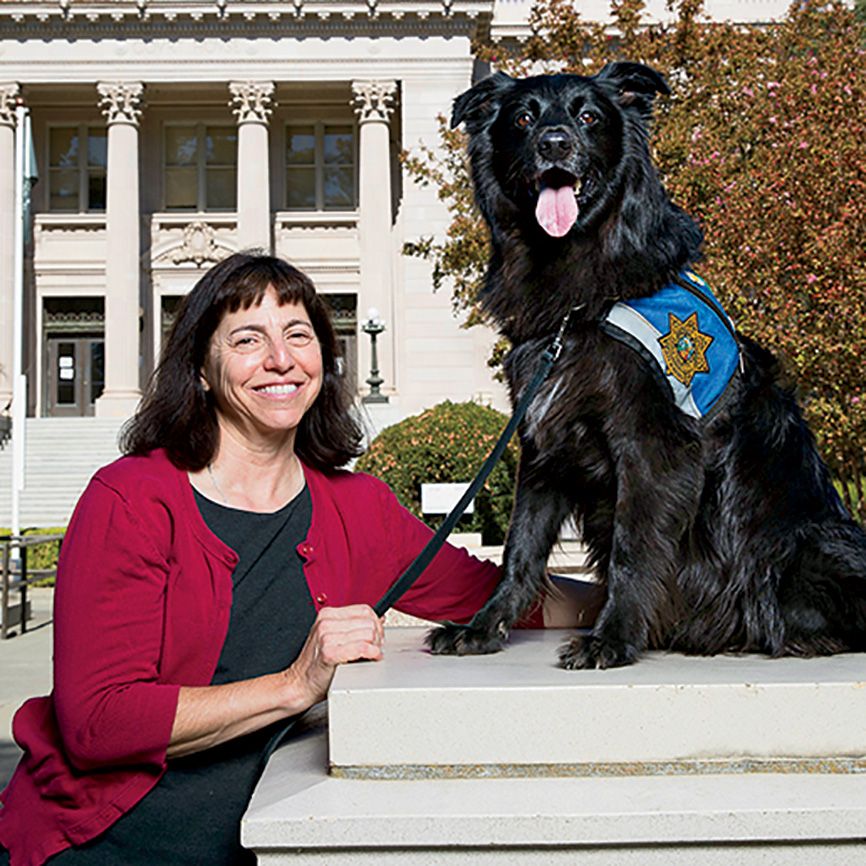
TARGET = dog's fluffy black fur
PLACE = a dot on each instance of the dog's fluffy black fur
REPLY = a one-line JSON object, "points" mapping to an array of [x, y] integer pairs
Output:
{"points": [[716, 535]]}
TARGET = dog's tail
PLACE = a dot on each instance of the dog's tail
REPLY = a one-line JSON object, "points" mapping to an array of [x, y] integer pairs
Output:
{"points": [[823, 597]]}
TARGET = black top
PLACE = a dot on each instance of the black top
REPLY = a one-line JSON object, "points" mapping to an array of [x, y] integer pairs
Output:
{"points": [[193, 814]]}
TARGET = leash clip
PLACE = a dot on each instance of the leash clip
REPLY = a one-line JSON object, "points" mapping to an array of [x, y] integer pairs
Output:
{"points": [[555, 348]]}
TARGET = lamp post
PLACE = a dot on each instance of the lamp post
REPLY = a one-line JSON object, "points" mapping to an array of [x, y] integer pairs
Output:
{"points": [[374, 326]]}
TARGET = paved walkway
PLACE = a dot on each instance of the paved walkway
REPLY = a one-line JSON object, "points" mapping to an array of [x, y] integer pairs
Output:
{"points": [[25, 670]]}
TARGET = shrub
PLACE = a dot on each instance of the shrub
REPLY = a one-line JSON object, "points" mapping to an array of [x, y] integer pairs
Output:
{"points": [[43, 555], [448, 444]]}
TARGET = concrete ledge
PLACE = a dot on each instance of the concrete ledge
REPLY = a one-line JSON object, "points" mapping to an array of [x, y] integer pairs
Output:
{"points": [[301, 815], [517, 709]]}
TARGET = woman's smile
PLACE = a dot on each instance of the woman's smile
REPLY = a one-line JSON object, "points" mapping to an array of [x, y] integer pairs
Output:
{"points": [[283, 389]]}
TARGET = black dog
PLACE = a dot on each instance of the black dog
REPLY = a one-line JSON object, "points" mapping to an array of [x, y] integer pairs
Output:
{"points": [[708, 514]]}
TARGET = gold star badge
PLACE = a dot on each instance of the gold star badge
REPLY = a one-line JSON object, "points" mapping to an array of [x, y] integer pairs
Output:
{"points": [[684, 349]]}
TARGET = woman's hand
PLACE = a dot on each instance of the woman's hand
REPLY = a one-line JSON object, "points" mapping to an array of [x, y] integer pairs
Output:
{"points": [[339, 635], [209, 715]]}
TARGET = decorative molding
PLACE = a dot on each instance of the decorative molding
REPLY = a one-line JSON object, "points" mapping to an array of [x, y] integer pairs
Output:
{"points": [[199, 245], [61, 226], [374, 100], [120, 101], [253, 101], [144, 14], [9, 96]]}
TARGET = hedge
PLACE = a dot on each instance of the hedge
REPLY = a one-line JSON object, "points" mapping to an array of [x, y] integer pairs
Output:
{"points": [[448, 444], [43, 555]]}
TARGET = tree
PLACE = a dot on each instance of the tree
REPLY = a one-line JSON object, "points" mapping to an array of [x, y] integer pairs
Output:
{"points": [[764, 142]]}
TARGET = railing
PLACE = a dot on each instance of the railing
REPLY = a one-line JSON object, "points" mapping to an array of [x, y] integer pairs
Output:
{"points": [[16, 577]]}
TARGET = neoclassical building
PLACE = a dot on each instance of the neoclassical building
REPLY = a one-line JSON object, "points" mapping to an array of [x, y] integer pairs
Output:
{"points": [[170, 133]]}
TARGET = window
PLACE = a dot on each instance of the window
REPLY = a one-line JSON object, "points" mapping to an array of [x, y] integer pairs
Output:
{"points": [[321, 166], [344, 317], [200, 167], [77, 158]]}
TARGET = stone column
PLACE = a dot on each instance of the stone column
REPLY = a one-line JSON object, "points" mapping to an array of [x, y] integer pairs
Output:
{"points": [[253, 103], [120, 103], [374, 102], [8, 100]]}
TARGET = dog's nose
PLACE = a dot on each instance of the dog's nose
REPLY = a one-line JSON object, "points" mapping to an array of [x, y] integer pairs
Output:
{"points": [[555, 144]]}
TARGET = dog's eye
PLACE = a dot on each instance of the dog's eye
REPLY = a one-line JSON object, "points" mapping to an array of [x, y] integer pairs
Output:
{"points": [[524, 120], [587, 118]]}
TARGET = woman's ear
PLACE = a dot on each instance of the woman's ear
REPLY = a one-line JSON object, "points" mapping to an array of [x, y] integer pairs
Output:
{"points": [[205, 385]]}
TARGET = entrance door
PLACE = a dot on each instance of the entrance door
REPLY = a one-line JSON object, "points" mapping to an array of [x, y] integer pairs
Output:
{"points": [[75, 373]]}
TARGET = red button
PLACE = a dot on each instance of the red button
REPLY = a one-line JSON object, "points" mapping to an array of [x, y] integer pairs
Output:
{"points": [[306, 549], [321, 598]]}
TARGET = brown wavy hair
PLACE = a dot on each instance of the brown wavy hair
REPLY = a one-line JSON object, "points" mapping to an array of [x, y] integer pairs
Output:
{"points": [[177, 414]]}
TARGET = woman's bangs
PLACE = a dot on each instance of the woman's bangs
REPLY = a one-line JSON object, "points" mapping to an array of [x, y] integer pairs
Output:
{"points": [[247, 288]]}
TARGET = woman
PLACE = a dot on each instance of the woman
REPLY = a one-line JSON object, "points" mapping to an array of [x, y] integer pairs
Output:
{"points": [[210, 582]]}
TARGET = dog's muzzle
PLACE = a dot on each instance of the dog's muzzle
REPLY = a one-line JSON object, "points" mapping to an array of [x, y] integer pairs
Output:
{"points": [[555, 145]]}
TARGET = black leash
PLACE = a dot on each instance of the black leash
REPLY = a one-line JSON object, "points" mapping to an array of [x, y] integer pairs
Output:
{"points": [[414, 571]]}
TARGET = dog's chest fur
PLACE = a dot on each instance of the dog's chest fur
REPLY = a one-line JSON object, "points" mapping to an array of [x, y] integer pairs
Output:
{"points": [[594, 381]]}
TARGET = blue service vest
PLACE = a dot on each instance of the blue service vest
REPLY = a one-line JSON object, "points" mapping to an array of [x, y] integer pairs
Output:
{"points": [[685, 335]]}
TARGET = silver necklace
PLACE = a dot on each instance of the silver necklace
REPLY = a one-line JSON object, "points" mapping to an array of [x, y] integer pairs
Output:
{"points": [[216, 486]]}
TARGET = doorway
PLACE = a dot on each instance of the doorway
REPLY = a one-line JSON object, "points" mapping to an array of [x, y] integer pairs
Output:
{"points": [[75, 367], [73, 356]]}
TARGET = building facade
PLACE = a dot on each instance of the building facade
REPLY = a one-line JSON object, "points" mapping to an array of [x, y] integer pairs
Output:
{"points": [[168, 135]]}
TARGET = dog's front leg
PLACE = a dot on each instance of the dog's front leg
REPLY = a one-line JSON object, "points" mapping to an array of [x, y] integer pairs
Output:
{"points": [[539, 512], [657, 493]]}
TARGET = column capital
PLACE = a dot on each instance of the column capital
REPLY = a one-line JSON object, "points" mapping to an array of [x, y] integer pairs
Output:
{"points": [[252, 101], [374, 100], [10, 92], [120, 101]]}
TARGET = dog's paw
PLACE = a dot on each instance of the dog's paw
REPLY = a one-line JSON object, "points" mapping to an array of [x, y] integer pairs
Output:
{"points": [[464, 640], [596, 652]]}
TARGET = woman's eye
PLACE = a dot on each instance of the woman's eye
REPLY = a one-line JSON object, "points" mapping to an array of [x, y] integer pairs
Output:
{"points": [[587, 118], [524, 120], [299, 339], [244, 342]]}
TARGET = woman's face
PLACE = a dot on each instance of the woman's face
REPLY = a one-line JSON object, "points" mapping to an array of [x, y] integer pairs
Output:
{"points": [[264, 366]]}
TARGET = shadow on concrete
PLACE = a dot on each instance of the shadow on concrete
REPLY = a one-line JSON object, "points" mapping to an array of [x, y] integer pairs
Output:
{"points": [[33, 625], [9, 755]]}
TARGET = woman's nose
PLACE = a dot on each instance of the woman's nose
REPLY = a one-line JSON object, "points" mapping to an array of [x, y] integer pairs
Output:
{"points": [[279, 356]]}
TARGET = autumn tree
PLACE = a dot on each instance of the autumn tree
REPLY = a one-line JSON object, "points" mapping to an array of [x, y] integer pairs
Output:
{"points": [[764, 141]]}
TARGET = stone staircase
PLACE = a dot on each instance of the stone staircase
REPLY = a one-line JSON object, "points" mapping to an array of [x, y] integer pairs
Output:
{"points": [[61, 456]]}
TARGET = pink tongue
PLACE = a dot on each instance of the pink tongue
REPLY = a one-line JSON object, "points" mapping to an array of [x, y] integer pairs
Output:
{"points": [[556, 210]]}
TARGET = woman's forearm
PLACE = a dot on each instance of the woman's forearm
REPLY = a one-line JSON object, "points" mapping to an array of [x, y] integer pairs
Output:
{"points": [[210, 715]]}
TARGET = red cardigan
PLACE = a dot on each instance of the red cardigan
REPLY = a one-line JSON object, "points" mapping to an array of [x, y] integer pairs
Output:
{"points": [[142, 606]]}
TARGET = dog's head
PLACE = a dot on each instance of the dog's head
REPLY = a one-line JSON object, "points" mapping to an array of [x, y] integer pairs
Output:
{"points": [[558, 148]]}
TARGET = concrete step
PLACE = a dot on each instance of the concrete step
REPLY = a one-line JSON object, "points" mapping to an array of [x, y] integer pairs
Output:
{"points": [[61, 454], [507, 759]]}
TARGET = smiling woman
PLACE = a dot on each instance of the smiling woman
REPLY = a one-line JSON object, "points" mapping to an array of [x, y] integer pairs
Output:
{"points": [[209, 584], [263, 371]]}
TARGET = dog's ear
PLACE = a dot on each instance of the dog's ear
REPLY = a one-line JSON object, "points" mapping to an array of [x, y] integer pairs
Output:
{"points": [[480, 101], [634, 82]]}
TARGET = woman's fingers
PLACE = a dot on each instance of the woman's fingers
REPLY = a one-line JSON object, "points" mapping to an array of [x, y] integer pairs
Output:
{"points": [[349, 626], [338, 636], [346, 645]]}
